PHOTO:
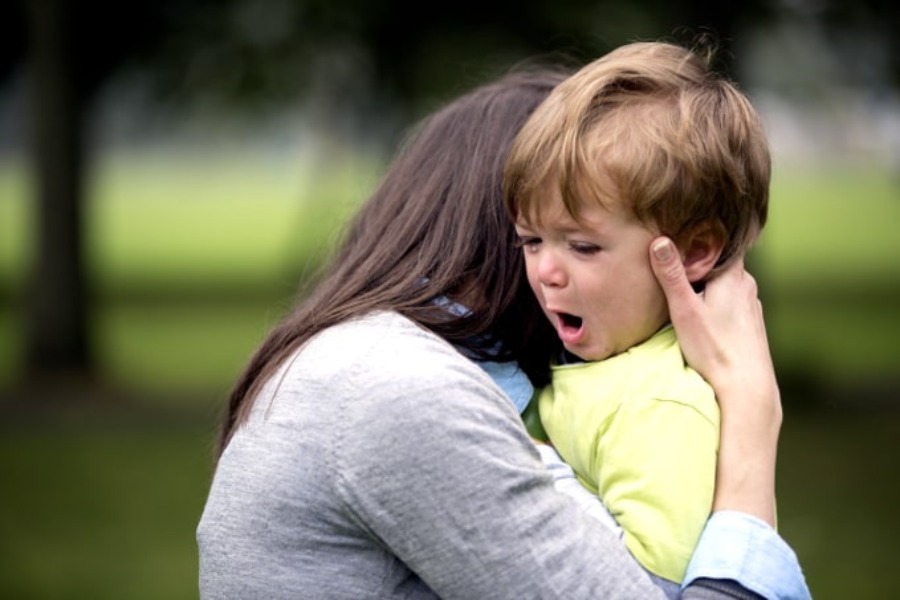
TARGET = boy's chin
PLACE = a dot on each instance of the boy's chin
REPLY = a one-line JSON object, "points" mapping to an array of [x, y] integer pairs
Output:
{"points": [[586, 354]]}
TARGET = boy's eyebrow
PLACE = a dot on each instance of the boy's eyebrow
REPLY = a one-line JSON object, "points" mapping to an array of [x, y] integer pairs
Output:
{"points": [[568, 224], [524, 228]]}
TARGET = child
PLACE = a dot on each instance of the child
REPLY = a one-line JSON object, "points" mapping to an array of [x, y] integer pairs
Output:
{"points": [[641, 142]]}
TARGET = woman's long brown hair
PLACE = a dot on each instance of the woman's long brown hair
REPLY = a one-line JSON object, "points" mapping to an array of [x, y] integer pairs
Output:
{"points": [[436, 226]]}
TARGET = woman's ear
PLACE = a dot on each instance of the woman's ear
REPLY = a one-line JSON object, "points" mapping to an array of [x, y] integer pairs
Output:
{"points": [[701, 249]]}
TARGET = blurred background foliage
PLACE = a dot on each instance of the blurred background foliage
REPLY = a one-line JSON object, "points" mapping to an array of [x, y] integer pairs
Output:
{"points": [[172, 170]]}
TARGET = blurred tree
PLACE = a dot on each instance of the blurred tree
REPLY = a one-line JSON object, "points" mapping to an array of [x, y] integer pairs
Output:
{"points": [[71, 49], [851, 24], [57, 328], [357, 55]]}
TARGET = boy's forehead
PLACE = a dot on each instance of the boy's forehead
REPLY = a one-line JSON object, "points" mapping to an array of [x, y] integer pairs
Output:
{"points": [[557, 199], [544, 201], [555, 214], [546, 209]]}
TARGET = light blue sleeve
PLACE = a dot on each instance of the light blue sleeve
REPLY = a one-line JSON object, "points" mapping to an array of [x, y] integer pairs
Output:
{"points": [[740, 547]]}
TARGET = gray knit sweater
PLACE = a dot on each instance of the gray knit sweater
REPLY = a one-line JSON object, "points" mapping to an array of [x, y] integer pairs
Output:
{"points": [[380, 463]]}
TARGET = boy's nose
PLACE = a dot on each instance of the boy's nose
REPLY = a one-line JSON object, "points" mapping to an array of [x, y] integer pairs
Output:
{"points": [[550, 270]]}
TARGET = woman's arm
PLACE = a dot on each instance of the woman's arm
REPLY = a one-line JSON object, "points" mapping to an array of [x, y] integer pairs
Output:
{"points": [[723, 336]]}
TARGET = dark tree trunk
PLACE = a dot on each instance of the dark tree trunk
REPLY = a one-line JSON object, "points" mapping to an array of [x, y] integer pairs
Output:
{"points": [[55, 305]]}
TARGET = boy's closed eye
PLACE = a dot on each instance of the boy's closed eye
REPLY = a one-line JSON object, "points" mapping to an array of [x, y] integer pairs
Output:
{"points": [[528, 242], [584, 248]]}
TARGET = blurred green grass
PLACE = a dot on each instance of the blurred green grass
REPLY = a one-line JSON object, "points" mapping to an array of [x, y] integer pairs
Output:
{"points": [[237, 234], [837, 498], [190, 253], [95, 507], [192, 260], [829, 269], [103, 508]]}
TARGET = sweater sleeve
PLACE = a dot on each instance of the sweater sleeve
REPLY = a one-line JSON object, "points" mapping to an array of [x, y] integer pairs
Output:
{"points": [[738, 547], [440, 470]]}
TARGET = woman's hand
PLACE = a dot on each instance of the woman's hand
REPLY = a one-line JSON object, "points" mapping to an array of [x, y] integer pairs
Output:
{"points": [[723, 336]]}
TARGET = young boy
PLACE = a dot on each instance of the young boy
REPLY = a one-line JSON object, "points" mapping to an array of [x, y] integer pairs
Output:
{"points": [[641, 142]]}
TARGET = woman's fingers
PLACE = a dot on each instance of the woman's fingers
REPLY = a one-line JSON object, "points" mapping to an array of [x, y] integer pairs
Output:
{"points": [[723, 336], [687, 310]]}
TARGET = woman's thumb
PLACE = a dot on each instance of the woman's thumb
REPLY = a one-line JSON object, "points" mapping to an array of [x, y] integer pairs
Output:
{"points": [[669, 270]]}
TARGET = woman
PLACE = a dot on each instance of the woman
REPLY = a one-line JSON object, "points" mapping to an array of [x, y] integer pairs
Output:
{"points": [[369, 450]]}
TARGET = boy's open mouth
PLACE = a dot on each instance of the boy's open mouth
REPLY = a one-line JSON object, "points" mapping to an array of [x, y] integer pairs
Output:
{"points": [[569, 327], [569, 321]]}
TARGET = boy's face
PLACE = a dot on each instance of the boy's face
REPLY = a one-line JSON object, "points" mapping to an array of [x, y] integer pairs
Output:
{"points": [[593, 278]]}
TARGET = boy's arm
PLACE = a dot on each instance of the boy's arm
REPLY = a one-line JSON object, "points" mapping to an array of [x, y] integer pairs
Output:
{"points": [[565, 481], [532, 418], [656, 475]]}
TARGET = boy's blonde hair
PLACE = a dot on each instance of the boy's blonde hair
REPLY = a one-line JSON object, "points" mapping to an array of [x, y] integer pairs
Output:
{"points": [[651, 126]]}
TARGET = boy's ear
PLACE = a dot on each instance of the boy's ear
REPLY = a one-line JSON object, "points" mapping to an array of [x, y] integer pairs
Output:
{"points": [[701, 249]]}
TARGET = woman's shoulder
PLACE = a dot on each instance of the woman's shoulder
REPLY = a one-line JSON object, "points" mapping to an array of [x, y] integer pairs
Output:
{"points": [[382, 346], [375, 331], [384, 365], [379, 324]]}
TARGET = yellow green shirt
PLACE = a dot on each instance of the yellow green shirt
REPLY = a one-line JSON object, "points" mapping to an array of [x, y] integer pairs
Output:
{"points": [[641, 430]]}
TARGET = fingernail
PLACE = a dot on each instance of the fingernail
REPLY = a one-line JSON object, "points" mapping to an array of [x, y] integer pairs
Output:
{"points": [[662, 250]]}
